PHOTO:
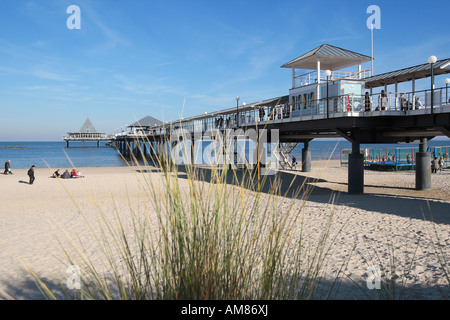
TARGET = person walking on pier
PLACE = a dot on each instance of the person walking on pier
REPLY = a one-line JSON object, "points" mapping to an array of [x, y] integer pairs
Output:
{"points": [[31, 174]]}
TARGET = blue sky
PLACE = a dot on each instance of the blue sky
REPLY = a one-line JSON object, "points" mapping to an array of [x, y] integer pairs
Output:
{"points": [[136, 58]]}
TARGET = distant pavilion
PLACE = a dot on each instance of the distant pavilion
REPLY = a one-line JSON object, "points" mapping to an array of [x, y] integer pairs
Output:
{"points": [[86, 133], [143, 125]]}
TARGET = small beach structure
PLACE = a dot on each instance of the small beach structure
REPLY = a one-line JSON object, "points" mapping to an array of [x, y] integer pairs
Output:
{"points": [[87, 133]]}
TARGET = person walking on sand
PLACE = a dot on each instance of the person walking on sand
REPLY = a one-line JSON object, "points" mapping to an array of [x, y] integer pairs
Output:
{"points": [[434, 165], [31, 174], [8, 167], [294, 163], [441, 163]]}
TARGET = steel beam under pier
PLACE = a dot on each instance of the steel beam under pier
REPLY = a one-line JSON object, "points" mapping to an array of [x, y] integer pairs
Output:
{"points": [[423, 171]]}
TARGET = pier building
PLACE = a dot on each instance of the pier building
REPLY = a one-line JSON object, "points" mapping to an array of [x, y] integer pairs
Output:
{"points": [[87, 133], [328, 102]]}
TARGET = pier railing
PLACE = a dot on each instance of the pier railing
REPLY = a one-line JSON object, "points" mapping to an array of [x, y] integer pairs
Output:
{"points": [[351, 105]]}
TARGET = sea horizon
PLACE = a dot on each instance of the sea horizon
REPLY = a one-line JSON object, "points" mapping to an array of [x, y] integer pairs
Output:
{"points": [[54, 154]]}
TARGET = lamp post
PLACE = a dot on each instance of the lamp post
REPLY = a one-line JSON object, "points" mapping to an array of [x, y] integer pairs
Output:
{"points": [[328, 74], [432, 60], [447, 81], [237, 111]]}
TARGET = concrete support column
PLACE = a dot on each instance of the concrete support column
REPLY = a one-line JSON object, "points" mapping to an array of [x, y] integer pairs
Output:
{"points": [[356, 170], [423, 169], [128, 149], [144, 150], [306, 157]]}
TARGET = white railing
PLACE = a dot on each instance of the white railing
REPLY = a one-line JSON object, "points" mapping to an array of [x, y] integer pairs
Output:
{"points": [[312, 78]]}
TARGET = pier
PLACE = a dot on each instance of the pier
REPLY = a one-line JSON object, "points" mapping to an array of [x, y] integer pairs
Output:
{"points": [[87, 133], [325, 103]]}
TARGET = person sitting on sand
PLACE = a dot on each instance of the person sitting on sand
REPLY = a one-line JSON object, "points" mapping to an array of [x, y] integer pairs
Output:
{"points": [[56, 174], [65, 175], [75, 174]]}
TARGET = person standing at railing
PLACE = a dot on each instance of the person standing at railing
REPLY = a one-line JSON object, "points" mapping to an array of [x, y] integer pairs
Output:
{"points": [[261, 114], [403, 102], [382, 101], [418, 103], [367, 103]]}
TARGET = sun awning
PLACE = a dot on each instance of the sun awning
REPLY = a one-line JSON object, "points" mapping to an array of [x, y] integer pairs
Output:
{"points": [[408, 74], [331, 57]]}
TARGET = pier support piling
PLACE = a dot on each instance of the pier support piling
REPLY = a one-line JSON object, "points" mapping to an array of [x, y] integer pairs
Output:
{"points": [[423, 169], [306, 157], [356, 170]]}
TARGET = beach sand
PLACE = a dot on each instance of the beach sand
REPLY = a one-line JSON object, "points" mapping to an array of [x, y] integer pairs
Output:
{"points": [[383, 227]]}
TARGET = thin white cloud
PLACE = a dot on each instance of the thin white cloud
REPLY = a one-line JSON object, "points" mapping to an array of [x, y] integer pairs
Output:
{"points": [[113, 39], [48, 75]]}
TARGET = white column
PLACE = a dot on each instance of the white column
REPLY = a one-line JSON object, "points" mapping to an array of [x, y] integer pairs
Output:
{"points": [[293, 77], [318, 82], [359, 71]]}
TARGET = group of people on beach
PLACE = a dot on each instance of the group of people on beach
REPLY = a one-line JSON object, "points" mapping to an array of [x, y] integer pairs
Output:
{"points": [[437, 164], [30, 171], [67, 175]]}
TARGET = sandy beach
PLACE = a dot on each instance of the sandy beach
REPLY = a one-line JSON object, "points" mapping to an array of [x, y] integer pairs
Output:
{"points": [[385, 223]]}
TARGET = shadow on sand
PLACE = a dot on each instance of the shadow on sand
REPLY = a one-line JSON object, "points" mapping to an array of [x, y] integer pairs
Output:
{"points": [[24, 287], [301, 186]]}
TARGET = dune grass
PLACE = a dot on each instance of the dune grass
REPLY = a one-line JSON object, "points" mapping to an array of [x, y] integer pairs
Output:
{"points": [[211, 233]]}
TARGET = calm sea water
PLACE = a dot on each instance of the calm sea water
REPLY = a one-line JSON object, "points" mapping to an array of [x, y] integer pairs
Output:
{"points": [[55, 155]]}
